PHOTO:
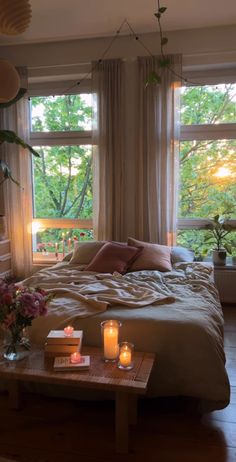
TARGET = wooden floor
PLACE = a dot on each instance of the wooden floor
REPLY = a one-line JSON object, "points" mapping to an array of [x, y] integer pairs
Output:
{"points": [[56, 430]]}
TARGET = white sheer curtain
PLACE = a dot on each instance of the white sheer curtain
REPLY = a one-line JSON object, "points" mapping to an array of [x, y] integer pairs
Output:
{"points": [[108, 150], [18, 199], [157, 162]]}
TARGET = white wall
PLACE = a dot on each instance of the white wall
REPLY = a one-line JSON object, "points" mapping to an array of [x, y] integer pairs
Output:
{"points": [[198, 46]]}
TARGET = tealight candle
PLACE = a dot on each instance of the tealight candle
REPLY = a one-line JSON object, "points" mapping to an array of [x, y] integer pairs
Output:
{"points": [[125, 356], [75, 357], [68, 331]]}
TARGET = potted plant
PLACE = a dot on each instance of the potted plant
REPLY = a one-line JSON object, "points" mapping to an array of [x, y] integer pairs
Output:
{"points": [[219, 228]]}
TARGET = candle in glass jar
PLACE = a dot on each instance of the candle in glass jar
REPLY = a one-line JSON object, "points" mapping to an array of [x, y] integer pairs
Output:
{"points": [[75, 357], [125, 358], [68, 331], [111, 346]]}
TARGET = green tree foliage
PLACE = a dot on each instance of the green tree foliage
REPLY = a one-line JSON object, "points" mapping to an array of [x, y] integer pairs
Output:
{"points": [[63, 173], [207, 167]]}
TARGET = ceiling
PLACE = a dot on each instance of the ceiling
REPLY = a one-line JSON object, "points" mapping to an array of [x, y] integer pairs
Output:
{"points": [[54, 20]]}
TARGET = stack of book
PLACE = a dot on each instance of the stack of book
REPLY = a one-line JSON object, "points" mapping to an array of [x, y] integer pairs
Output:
{"points": [[58, 344]]}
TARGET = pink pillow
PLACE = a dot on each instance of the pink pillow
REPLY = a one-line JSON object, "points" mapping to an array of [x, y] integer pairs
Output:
{"points": [[153, 256], [113, 257]]}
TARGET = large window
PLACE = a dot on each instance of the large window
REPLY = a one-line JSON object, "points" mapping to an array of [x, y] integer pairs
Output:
{"points": [[207, 161], [62, 176]]}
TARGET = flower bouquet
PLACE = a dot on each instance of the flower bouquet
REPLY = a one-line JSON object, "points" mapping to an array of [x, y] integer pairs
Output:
{"points": [[19, 306]]}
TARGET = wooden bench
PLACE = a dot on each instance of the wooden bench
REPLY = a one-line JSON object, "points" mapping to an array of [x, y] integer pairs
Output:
{"points": [[127, 385]]}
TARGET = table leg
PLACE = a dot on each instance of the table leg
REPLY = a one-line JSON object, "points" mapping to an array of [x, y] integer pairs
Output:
{"points": [[122, 423], [14, 394], [132, 409]]}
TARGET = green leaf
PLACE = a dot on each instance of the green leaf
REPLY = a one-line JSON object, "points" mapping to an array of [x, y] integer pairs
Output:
{"points": [[158, 15], [153, 77], [7, 173], [162, 9], [11, 137], [19, 95], [164, 62], [164, 41]]}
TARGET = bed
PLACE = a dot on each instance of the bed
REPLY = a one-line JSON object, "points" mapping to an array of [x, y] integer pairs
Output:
{"points": [[175, 314]]}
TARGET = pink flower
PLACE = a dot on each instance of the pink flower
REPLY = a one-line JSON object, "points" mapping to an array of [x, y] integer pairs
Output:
{"points": [[19, 305], [7, 299]]}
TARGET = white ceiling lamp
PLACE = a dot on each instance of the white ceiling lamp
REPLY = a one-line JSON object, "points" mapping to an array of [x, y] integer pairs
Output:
{"points": [[15, 16], [9, 81]]}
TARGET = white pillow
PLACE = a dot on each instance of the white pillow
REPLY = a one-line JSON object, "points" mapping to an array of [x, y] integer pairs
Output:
{"points": [[179, 254], [85, 251]]}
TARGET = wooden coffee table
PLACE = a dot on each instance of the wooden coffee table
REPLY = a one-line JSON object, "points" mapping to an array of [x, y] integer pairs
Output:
{"points": [[127, 385]]}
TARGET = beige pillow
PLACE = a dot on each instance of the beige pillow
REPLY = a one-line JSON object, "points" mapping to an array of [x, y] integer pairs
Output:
{"points": [[153, 256], [85, 251]]}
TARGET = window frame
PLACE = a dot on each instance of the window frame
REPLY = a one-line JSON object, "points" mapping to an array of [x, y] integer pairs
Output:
{"points": [[60, 138], [205, 132]]}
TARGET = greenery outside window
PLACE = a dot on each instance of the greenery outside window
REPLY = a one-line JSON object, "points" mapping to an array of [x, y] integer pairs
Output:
{"points": [[207, 161], [62, 176]]}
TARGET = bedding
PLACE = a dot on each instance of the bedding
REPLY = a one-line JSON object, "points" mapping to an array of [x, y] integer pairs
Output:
{"points": [[176, 314]]}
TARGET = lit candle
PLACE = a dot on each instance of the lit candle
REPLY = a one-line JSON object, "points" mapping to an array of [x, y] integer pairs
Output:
{"points": [[125, 358], [69, 331], [111, 342], [56, 246], [69, 243], [63, 244], [75, 357]]}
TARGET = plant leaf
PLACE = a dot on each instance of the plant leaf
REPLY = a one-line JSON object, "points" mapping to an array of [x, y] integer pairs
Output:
{"points": [[158, 15], [11, 137], [162, 9], [7, 173], [164, 41], [153, 77], [164, 62]]}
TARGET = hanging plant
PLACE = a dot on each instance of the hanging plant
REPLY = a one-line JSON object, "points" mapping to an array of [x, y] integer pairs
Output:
{"points": [[9, 136]]}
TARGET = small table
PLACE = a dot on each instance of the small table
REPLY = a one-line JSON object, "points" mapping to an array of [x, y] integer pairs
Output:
{"points": [[127, 385]]}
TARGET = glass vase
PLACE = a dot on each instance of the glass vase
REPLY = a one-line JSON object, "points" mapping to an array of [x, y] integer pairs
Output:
{"points": [[16, 345]]}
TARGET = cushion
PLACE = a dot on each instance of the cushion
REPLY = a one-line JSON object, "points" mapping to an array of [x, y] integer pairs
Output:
{"points": [[153, 256], [68, 256], [113, 257], [85, 251], [179, 254]]}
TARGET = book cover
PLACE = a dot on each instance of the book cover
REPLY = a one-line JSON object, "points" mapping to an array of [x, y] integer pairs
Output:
{"points": [[63, 364], [58, 337], [61, 348]]}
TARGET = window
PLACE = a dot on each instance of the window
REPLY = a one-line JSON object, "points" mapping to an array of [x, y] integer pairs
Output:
{"points": [[62, 176], [207, 161]]}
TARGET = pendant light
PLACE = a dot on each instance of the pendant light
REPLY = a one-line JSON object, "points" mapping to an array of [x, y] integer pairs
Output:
{"points": [[15, 16], [9, 81]]}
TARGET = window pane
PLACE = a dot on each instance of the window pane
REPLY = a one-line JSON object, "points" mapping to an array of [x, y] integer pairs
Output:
{"points": [[207, 178], [54, 244], [208, 104], [201, 241], [62, 179], [61, 113]]}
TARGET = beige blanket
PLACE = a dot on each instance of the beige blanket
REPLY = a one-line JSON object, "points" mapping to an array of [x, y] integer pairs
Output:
{"points": [[79, 294]]}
